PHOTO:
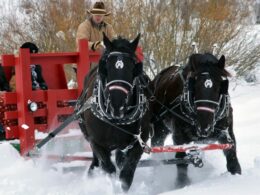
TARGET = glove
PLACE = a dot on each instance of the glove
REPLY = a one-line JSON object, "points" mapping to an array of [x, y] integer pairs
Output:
{"points": [[96, 45]]}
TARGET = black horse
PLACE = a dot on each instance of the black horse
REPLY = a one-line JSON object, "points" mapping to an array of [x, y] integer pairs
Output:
{"points": [[116, 117], [193, 103]]}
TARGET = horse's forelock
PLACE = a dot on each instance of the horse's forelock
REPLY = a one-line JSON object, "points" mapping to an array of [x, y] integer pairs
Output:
{"points": [[206, 63], [122, 45]]}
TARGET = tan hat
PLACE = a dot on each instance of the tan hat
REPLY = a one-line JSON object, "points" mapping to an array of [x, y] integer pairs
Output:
{"points": [[99, 9]]}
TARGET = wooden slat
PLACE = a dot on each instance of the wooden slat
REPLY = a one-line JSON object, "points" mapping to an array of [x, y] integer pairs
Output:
{"points": [[8, 60], [41, 127], [9, 97], [40, 112], [11, 115], [12, 132]]}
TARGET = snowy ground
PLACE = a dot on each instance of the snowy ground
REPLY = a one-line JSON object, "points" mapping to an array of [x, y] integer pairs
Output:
{"points": [[27, 177]]}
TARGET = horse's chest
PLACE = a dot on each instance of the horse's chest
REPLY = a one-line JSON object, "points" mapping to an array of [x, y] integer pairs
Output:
{"points": [[106, 135]]}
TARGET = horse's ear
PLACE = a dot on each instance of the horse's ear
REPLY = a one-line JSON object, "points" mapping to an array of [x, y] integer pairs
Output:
{"points": [[102, 70], [135, 42], [102, 65], [107, 42], [221, 62]]}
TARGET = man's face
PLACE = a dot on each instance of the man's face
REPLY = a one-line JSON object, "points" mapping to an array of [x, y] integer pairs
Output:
{"points": [[98, 18]]}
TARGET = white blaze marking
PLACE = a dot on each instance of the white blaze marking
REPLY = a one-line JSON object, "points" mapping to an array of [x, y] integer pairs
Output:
{"points": [[208, 83], [119, 64]]}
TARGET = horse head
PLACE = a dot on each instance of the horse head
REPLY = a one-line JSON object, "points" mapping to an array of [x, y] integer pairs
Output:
{"points": [[119, 69], [207, 81]]}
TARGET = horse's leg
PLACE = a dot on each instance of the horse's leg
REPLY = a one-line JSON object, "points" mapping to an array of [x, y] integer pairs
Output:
{"points": [[179, 138], [132, 158], [160, 134], [120, 157], [103, 155], [233, 165], [94, 163], [182, 172]]}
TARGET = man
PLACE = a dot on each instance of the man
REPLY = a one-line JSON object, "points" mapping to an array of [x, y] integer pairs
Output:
{"points": [[36, 71], [92, 28]]}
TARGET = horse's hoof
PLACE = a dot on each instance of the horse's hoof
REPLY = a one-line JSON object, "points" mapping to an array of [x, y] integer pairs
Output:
{"points": [[90, 173], [125, 187], [182, 182], [235, 168]]}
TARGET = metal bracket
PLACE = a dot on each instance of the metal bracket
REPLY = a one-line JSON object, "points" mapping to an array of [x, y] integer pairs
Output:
{"points": [[194, 156]]}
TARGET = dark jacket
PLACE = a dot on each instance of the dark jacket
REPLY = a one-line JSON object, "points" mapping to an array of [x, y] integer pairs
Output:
{"points": [[4, 85]]}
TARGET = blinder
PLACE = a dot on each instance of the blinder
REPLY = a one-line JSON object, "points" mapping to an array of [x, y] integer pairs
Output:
{"points": [[138, 70], [224, 86], [191, 84]]}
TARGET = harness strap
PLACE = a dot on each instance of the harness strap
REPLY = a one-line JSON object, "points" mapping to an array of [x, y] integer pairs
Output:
{"points": [[117, 87], [163, 106], [207, 109], [120, 81], [99, 106]]}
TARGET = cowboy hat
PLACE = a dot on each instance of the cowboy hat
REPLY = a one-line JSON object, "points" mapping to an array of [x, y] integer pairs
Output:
{"points": [[99, 9]]}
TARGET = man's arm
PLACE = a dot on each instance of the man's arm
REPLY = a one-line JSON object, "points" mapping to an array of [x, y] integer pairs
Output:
{"points": [[110, 32], [83, 32]]}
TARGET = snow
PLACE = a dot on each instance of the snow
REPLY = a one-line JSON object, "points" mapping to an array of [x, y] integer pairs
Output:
{"points": [[19, 176]]}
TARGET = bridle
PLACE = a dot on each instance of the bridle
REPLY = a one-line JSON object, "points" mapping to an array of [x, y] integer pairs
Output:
{"points": [[100, 98], [189, 106]]}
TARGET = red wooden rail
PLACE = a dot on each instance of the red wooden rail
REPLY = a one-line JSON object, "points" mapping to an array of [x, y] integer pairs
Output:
{"points": [[16, 112], [184, 148]]}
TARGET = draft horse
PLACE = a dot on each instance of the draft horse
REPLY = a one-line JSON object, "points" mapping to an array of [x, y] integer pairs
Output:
{"points": [[116, 116], [193, 102]]}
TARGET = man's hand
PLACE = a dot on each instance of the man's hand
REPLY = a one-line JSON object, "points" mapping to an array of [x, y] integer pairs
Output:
{"points": [[97, 46]]}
